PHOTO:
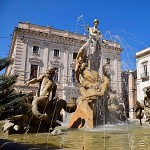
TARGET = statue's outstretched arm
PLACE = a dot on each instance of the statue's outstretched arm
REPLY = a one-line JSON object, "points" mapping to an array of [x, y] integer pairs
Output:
{"points": [[35, 80]]}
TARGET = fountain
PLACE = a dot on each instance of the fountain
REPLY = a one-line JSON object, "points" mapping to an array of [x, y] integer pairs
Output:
{"points": [[91, 107], [93, 102], [93, 111]]}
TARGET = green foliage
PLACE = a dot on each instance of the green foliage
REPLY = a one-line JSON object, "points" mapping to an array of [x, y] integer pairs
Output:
{"points": [[2, 108], [11, 102], [4, 62]]}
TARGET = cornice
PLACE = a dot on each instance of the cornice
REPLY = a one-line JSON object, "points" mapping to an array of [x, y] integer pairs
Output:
{"points": [[142, 54], [109, 47], [59, 38]]}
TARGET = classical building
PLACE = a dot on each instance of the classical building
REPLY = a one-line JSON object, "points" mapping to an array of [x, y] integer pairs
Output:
{"points": [[35, 48], [143, 69]]}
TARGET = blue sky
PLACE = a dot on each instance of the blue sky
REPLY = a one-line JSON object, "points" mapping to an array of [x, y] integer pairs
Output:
{"points": [[127, 21]]}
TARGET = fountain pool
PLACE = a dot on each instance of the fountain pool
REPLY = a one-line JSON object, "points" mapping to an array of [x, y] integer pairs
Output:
{"points": [[126, 136]]}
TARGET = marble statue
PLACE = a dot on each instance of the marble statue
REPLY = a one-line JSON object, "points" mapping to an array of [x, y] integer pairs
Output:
{"points": [[91, 90], [141, 109], [89, 49], [92, 87], [47, 86], [147, 104]]}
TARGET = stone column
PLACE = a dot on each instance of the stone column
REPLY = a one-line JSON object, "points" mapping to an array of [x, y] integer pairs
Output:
{"points": [[45, 58], [131, 95]]}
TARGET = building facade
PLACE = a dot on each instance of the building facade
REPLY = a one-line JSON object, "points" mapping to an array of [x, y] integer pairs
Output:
{"points": [[35, 48], [143, 69]]}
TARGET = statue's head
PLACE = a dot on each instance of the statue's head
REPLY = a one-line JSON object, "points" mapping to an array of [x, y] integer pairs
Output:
{"points": [[96, 21], [51, 71], [148, 91]]}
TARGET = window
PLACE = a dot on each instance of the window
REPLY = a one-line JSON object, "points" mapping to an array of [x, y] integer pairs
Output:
{"points": [[73, 76], [35, 49], [145, 69], [75, 55], [56, 75], [56, 52], [108, 60], [33, 73], [145, 74]]}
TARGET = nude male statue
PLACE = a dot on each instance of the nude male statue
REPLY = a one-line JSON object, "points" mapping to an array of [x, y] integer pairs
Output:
{"points": [[47, 86]]}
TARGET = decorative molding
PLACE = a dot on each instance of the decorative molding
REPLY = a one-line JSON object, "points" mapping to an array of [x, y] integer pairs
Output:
{"points": [[35, 43], [144, 62], [36, 60], [55, 62], [35, 55]]}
